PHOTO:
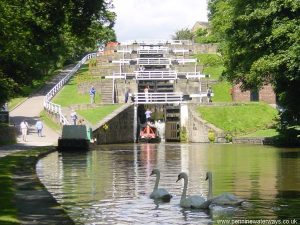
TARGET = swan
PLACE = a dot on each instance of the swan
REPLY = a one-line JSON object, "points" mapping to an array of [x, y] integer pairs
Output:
{"points": [[225, 199], [195, 201], [159, 193]]}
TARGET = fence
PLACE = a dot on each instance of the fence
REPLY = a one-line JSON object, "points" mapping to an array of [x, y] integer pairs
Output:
{"points": [[55, 108], [158, 98]]}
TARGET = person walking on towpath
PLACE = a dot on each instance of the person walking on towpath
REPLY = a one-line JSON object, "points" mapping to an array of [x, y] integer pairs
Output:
{"points": [[39, 128], [92, 94], [24, 130], [74, 117]]}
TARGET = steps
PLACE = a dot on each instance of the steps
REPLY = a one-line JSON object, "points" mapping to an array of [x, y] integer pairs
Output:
{"points": [[106, 91]]}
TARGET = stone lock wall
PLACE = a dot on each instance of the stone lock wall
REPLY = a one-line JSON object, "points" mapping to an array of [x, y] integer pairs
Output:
{"points": [[198, 128], [119, 127]]}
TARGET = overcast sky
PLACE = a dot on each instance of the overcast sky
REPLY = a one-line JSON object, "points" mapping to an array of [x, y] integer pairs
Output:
{"points": [[156, 19]]}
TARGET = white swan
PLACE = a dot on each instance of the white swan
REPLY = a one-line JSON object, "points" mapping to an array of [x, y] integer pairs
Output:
{"points": [[225, 199], [195, 201], [159, 193]]}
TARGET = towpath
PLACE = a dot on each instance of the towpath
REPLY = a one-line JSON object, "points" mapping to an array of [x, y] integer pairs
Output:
{"points": [[35, 205]]}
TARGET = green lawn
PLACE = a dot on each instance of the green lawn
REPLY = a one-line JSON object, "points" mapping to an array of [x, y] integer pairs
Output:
{"points": [[222, 92], [240, 119], [212, 64], [49, 122], [69, 94], [263, 133], [94, 115]]}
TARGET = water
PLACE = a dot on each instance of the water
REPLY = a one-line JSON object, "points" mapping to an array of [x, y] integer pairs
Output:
{"points": [[111, 184]]}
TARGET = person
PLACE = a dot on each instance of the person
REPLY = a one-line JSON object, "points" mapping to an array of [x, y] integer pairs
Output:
{"points": [[148, 115], [146, 91], [24, 130], [131, 96], [39, 128], [127, 95], [74, 117], [209, 92], [92, 94]]}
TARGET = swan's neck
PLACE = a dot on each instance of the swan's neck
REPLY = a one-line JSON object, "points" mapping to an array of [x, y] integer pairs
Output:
{"points": [[156, 182], [210, 194], [183, 196]]}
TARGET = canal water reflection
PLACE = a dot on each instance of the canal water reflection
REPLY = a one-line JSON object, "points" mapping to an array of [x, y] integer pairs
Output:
{"points": [[111, 184]]}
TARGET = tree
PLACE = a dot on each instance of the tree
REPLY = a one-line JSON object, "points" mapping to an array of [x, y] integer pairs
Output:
{"points": [[183, 34], [261, 44], [37, 36]]}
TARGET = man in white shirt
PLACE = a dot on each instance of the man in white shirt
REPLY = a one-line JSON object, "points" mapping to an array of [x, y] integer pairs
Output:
{"points": [[24, 129]]}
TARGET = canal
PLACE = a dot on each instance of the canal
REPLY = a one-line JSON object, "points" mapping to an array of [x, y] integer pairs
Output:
{"points": [[110, 184]]}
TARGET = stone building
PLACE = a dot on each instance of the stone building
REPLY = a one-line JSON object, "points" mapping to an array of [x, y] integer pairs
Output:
{"points": [[199, 24], [265, 94]]}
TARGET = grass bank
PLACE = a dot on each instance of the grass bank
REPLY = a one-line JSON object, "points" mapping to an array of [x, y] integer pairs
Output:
{"points": [[49, 121], [69, 94], [94, 115], [23, 197], [240, 119], [213, 65], [9, 165]]}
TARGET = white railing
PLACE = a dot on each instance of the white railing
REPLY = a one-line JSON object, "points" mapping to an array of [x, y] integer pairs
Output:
{"points": [[153, 61], [124, 76], [156, 75], [55, 108], [158, 98], [122, 61], [154, 50], [177, 51], [183, 61], [192, 75], [124, 51]]}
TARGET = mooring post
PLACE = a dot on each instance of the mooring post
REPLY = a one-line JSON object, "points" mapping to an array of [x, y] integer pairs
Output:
{"points": [[135, 123]]}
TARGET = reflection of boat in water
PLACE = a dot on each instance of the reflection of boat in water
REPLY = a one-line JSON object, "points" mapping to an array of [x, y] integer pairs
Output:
{"points": [[149, 134]]}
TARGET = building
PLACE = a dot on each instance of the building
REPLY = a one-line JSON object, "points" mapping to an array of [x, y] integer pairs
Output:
{"points": [[265, 94], [199, 24]]}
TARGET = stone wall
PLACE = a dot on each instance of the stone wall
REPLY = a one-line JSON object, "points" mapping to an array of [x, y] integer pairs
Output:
{"points": [[121, 88], [119, 127], [253, 140], [8, 135], [266, 94], [204, 48]]}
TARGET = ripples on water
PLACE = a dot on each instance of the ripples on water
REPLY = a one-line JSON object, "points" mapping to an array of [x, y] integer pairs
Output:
{"points": [[111, 184]]}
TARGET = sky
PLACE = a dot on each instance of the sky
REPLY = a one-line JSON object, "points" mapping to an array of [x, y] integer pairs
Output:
{"points": [[156, 19]]}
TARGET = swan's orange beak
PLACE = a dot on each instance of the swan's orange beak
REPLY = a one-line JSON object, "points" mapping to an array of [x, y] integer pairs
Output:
{"points": [[179, 178], [151, 173], [206, 177]]}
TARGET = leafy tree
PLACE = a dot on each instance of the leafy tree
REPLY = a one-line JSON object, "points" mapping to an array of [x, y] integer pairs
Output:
{"points": [[204, 36], [38, 36], [261, 44], [183, 34]]}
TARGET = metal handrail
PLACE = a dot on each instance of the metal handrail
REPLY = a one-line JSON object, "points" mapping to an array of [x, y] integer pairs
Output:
{"points": [[153, 61], [156, 75], [55, 108], [158, 97]]}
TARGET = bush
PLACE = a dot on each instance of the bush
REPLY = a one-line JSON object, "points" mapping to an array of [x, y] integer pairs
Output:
{"points": [[211, 136], [228, 138], [183, 135]]}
